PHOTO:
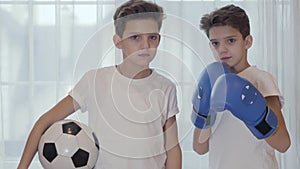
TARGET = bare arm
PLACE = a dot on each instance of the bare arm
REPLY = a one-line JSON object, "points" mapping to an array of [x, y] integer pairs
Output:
{"points": [[280, 140], [60, 111], [201, 140], [174, 156]]}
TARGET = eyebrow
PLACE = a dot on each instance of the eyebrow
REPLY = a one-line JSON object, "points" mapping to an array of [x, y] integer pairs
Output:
{"points": [[134, 33], [227, 37], [142, 33]]}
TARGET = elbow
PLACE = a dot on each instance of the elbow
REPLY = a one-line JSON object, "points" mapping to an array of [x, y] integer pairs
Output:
{"points": [[284, 147], [199, 150], [201, 141]]}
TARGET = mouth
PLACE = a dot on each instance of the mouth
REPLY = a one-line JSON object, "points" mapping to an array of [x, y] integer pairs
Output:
{"points": [[144, 54], [225, 58]]}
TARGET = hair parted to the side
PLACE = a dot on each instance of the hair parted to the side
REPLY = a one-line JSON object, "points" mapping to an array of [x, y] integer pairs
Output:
{"points": [[136, 9], [229, 15]]}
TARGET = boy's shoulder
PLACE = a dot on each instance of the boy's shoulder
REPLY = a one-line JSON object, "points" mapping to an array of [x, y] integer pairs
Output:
{"points": [[96, 72], [162, 78], [262, 80], [100, 70], [256, 73]]}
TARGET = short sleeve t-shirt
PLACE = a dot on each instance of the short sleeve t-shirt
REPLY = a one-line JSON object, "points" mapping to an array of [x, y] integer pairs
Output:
{"points": [[127, 116], [232, 145]]}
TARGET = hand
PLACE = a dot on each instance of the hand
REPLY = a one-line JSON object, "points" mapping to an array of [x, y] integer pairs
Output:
{"points": [[239, 96], [202, 117]]}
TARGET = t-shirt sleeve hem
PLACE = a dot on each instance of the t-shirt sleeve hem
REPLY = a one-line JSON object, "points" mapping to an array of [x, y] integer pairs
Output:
{"points": [[78, 99], [173, 113]]}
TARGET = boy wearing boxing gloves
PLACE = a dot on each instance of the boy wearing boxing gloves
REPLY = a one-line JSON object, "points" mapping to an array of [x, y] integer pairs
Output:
{"points": [[236, 106]]}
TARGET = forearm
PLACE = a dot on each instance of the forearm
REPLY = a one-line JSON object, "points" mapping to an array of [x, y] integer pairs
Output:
{"points": [[28, 154], [60, 111], [201, 140], [31, 145], [174, 158], [280, 140], [173, 150]]}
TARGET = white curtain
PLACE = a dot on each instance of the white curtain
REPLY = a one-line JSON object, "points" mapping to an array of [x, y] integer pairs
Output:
{"points": [[46, 45]]}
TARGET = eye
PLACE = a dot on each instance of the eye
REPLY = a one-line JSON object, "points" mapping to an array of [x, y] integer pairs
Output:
{"points": [[135, 37], [214, 43], [154, 37], [231, 41]]}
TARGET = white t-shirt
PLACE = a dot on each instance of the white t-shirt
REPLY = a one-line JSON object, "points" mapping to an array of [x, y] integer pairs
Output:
{"points": [[232, 145], [127, 116]]}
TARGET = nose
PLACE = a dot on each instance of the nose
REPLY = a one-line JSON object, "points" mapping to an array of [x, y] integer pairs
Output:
{"points": [[222, 48], [145, 43]]}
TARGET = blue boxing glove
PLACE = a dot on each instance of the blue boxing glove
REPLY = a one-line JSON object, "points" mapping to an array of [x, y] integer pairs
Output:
{"points": [[239, 96], [201, 115]]}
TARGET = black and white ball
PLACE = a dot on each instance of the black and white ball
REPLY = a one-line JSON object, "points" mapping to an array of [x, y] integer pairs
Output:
{"points": [[68, 144]]}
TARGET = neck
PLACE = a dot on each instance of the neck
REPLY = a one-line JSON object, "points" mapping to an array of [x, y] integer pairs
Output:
{"points": [[134, 73], [239, 68]]}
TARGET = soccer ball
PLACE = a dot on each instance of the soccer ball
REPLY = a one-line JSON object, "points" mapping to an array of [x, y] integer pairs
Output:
{"points": [[68, 144]]}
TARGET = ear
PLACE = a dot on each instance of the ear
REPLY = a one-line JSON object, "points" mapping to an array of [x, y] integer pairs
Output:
{"points": [[117, 41], [248, 41]]}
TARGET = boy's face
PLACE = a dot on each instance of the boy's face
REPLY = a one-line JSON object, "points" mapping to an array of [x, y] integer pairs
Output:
{"points": [[139, 41], [229, 47]]}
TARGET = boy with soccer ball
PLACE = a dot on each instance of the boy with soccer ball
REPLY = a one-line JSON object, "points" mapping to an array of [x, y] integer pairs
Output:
{"points": [[131, 107]]}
